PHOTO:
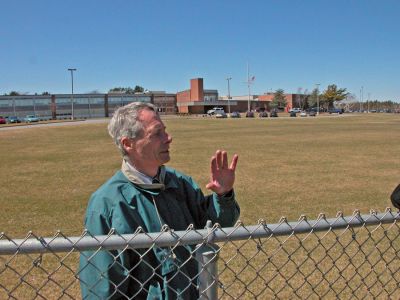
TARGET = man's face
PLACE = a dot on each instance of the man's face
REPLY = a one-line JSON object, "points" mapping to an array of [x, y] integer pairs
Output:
{"points": [[152, 146]]}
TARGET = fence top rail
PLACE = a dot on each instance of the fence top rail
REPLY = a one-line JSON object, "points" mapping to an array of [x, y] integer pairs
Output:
{"points": [[167, 237]]}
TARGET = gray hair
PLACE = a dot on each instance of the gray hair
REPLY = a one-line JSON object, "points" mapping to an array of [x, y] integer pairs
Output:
{"points": [[125, 122]]}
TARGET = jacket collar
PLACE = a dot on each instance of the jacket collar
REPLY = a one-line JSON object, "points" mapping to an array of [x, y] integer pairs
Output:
{"points": [[134, 184], [142, 180]]}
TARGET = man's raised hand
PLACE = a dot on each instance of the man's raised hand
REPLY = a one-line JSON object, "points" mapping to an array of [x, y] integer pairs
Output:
{"points": [[222, 176]]}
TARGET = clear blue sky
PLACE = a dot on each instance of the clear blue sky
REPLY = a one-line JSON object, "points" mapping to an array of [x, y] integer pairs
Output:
{"points": [[161, 44]]}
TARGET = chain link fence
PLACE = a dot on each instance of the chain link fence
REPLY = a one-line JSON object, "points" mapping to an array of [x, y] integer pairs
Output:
{"points": [[355, 257]]}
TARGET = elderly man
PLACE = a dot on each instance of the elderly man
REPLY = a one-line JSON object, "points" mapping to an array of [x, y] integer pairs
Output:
{"points": [[146, 194]]}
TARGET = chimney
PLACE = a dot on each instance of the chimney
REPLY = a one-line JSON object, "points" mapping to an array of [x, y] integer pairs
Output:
{"points": [[196, 89]]}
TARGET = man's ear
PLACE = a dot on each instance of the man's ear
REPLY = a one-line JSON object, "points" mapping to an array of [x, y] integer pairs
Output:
{"points": [[127, 143]]}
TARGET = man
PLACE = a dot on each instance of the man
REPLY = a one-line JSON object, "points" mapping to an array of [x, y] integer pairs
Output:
{"points": [[146, 194]]}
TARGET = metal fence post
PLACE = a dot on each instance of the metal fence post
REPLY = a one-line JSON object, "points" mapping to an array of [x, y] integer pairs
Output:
{"points": [[207, 257]]}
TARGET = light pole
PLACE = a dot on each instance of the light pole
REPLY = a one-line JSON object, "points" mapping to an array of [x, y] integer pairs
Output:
{"points": [[317, 98], [361, 98], [229, 95], [72, 92]]}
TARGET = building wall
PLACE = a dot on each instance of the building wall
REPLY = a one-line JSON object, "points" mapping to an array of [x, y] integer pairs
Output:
{"points": [[195, 94], [290, 99], [197, 89], [166, 103], [183, 96], [210, 95], [196, 109], [59, 106], [183, 109], [266, 97], [242, 105]]}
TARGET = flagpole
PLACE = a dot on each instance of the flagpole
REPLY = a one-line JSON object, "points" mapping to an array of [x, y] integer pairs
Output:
{"points": [[248, 87]]}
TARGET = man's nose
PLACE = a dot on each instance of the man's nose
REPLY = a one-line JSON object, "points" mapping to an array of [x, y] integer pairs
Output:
{"points": [[169, 138]]}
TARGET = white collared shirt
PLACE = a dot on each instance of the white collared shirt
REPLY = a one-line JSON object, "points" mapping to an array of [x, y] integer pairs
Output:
{"points": [[143, 178]]}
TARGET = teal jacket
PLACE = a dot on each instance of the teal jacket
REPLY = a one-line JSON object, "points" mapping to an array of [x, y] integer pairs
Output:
{"points": [[159, 273]]}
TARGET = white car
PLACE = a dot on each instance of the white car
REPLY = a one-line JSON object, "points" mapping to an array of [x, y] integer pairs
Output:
{"points": [[215, 110], [303, 114], [295, 110], [31, 118], [221, 115]]}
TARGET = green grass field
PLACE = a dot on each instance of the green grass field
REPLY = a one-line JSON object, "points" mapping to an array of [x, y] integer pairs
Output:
{"points": [[287, 167]]}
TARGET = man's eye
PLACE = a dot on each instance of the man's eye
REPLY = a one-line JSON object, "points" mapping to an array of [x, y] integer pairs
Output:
{"points": [[157, 133]]}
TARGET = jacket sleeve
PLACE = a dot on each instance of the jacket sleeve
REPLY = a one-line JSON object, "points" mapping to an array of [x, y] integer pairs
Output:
{"points": [[219, 209], [226, 208], [395, 197], [102, 274]]}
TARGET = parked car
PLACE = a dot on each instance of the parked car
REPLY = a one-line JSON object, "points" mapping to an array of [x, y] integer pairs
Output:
{"points": [[235, 114], [312, 113], [303, 114], [295, 110], [210, 112], [273, 114], [336, 111], [315, 109], [293, 114], [220, 115], [14, 119], [249, 114], [215, 110], [31, 118], [263, 114], [3, 120]]}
